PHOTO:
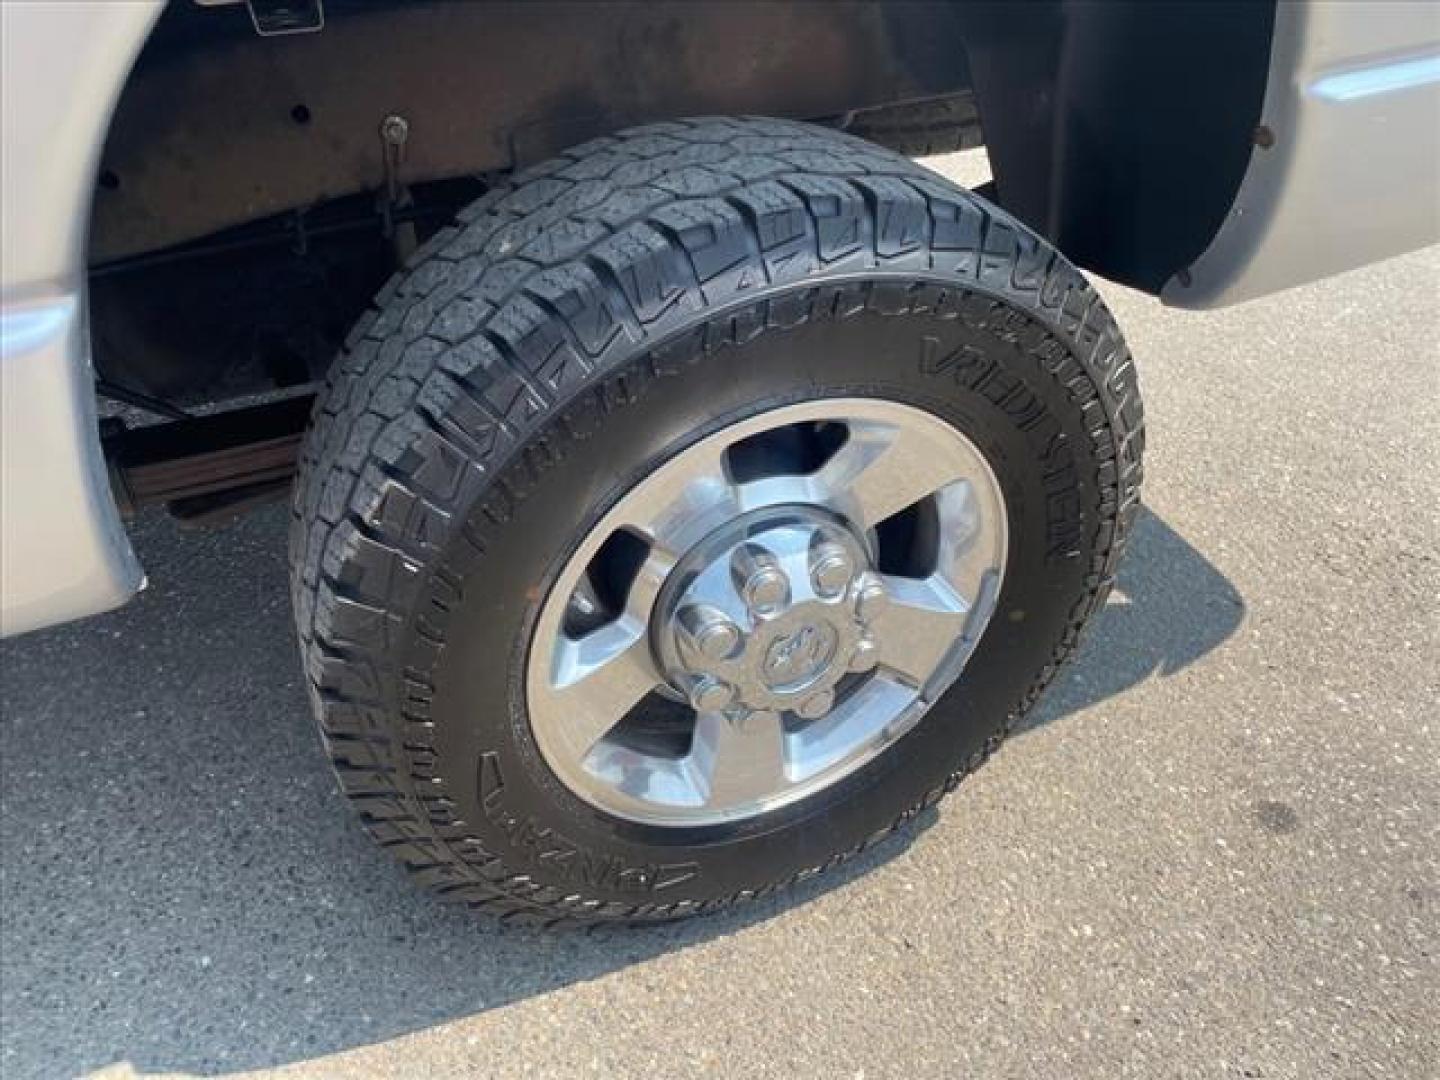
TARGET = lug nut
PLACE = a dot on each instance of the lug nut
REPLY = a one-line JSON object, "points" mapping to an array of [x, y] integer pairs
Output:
{"points": [[767, 591], [708, 632], [865, 656], [870, 597], [816, 705], [710, 695], [830, 569], [762, 582]]}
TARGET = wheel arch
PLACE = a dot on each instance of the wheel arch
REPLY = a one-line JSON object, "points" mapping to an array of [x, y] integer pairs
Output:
{"points": [[1120, 132]]}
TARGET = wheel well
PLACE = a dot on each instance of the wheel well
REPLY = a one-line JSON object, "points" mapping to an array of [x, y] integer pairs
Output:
{"points": [[1121, 131], [248, 204], [218, 126]]}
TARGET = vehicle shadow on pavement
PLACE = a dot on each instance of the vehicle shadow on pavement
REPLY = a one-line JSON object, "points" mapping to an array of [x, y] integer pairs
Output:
{"points": [[1170, 606], [184, 890]]}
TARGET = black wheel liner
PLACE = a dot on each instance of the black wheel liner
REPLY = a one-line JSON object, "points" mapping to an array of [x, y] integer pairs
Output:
{"points": [[599, 311]]}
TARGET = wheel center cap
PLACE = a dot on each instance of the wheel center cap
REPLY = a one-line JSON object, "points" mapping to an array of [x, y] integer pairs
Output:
{"points": [[795, 660], [766, 614]]}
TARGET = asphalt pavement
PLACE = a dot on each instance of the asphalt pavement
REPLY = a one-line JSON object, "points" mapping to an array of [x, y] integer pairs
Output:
{"points": [[1213, 852]]}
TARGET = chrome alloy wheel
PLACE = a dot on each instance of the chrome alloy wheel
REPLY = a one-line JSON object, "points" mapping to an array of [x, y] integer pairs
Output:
{"points": [[766, 612]]}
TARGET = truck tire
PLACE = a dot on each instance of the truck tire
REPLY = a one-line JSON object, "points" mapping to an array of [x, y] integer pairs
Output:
{"points": [[699, 508], [922, 128]]}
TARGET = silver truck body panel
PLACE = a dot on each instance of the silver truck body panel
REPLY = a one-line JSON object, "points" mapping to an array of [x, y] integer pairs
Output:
{"points": [[63, 552], [1353, 176]]}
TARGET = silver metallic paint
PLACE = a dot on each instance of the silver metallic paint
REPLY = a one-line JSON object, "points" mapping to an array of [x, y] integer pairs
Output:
{"points": [[63, 553], [1353, 174]]}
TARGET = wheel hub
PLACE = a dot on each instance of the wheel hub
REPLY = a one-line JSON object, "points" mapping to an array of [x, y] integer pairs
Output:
{"points": [[767, 615]]}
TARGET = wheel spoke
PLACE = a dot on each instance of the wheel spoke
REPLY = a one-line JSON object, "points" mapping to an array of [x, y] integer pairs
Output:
{"points": [[882, 468], [878, 708], [682, 503], [972, 539], [597, 679], [740, 762], [919, 624], [640, 601]]}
